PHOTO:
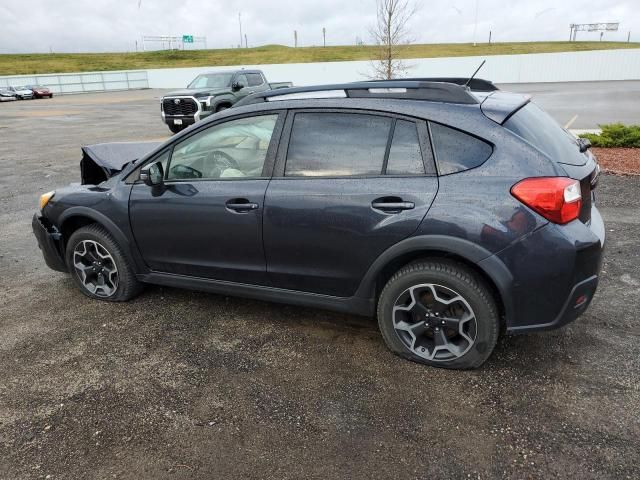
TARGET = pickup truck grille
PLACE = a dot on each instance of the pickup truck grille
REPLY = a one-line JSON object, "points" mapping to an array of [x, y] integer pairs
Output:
{"points": [[179, 106]]}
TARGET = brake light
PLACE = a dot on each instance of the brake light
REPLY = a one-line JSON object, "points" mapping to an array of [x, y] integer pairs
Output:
{"points": [[558, 199]]}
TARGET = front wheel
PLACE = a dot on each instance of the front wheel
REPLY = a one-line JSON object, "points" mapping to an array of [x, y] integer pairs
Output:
{"points": [[440, 313], [99, 267]]}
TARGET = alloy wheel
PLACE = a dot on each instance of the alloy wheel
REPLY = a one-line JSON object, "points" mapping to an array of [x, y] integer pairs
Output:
{"points": [[95, 268], [434, 322]]}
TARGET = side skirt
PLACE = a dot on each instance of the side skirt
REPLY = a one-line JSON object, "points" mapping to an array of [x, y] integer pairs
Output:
{"points": [[353, 305]]}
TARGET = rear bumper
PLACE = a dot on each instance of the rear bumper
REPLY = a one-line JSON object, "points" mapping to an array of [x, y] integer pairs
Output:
{"points": [[555, 274], [575, 305], [50, 242]]}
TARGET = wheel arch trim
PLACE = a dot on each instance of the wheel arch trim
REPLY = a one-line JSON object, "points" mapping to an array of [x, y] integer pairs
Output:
{"points": [[481, 258], [111, 227]]}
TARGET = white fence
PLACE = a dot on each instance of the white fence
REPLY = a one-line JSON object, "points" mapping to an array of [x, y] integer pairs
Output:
{"points": [[531, 68], [82, 82]]}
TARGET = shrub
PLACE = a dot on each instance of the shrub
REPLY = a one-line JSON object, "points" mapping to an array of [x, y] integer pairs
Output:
{"points": [[615, 135]]}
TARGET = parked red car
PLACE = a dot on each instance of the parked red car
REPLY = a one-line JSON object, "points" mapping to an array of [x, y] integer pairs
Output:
{"points": [[40, 92]]}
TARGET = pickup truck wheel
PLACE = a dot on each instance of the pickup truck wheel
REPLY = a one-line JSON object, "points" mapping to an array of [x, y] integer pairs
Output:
{"points": [[439, 313], [99, 267], [221, 108]]}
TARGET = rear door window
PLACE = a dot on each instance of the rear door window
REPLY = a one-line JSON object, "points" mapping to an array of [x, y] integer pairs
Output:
{"points": [[456, 151], [254, 79], [337, 144]]}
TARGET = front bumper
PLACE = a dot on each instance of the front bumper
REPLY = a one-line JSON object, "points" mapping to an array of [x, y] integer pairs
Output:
{"points": [[186, 121], [50, 242]]}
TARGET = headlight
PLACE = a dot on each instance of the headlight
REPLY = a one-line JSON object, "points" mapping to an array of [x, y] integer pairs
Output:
{"points": [[45, 197]]}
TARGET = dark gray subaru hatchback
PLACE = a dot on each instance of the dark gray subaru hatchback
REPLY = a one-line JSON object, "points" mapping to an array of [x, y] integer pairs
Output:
{"points": [[454, 214]]}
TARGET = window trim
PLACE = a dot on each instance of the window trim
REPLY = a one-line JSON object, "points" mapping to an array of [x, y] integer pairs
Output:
{"points": [[421, 126]]}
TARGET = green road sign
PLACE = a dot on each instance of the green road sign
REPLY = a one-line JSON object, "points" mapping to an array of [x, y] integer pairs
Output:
{"points": [[187, 38]]}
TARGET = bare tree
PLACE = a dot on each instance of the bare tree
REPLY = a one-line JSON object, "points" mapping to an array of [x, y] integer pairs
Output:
{"points": [[390, 33]]}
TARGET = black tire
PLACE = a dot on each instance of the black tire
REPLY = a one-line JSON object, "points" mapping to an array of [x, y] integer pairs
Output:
{"points": [[222, 107], [451, 277], [125, 287], [175, 128]]}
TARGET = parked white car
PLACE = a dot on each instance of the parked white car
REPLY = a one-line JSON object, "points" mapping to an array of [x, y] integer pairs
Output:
{"points": [[7, 96], [21, 93]]}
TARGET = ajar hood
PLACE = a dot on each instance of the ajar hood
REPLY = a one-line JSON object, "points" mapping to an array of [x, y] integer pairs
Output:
{"points": [[104, 160]]}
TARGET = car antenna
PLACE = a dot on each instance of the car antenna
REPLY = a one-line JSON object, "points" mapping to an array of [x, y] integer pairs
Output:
{"points": [[474, 73]]}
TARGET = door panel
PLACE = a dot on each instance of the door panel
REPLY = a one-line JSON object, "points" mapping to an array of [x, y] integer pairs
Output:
{"points": [[321, 235], [188, 229], [206, 219]]}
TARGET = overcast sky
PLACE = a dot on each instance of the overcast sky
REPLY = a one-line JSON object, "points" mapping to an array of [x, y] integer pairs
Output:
{"points": [[114, 25]]}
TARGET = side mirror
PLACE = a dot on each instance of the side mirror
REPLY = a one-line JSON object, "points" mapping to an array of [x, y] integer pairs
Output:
{"points": [[237, 86], [153, 174]]}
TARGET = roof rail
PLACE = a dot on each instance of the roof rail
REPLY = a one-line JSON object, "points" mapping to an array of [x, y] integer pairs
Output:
{"points": [[396, 89], [476, 84]]}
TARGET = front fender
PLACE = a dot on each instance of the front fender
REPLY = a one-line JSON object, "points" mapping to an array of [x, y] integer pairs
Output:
{"points": [[114, 230], [220, 99]]}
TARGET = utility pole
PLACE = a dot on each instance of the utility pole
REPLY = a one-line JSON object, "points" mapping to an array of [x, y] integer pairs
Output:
{"points": [[324, 37], [489, 37], [629, 36], [240, 24], [246, 44], [295, 38], [475, 25]]}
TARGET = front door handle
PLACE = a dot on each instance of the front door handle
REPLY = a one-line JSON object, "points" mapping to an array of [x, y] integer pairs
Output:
{"points": [[392, 205], [241, 205]]}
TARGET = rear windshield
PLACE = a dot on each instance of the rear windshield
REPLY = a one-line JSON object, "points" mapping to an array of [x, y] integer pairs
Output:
{"points": [[544, 133]]}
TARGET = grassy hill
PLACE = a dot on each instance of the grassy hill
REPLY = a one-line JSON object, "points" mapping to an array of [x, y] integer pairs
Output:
{"points": [[17, 64]]}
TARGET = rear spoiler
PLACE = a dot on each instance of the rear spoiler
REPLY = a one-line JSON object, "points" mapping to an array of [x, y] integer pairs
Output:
{"points": [[500, 106]]}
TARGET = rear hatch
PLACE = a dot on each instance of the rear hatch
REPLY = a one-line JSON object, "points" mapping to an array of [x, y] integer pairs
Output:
{"points": [[543, 132]]}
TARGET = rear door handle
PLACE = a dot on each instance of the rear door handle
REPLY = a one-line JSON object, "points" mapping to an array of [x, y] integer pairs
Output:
{"points": [[392, 206], [241, 205]]}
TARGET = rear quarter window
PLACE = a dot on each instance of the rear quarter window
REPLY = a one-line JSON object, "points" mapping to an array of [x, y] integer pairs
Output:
{"points": [[456, 151]]}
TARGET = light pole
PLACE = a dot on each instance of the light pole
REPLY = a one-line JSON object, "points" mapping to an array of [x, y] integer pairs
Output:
{"points": [[475, 25], [240, 24]]}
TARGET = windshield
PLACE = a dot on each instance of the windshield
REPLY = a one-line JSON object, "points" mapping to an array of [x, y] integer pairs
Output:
{"points": [[212, 80], [543, 132]]}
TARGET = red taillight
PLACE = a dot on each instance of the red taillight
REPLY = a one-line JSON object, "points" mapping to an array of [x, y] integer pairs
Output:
{"points": [[557, 199]]}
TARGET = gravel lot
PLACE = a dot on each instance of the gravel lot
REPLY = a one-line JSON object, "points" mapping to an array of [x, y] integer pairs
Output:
{"points": [[178, 384]]}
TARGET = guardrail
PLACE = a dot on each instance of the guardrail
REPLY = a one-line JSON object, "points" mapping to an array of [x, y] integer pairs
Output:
{"points": [[82, 82]]}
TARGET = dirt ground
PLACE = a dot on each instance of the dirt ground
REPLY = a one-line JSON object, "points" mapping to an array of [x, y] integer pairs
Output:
{"points": [[620, 161], [177, 384]]}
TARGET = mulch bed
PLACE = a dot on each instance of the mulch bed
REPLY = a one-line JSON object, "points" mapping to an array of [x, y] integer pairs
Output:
{"points": [[621, 161]]}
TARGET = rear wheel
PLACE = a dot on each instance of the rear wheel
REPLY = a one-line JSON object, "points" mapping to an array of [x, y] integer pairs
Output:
{"points": [[99, 267], [439, 313]]}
